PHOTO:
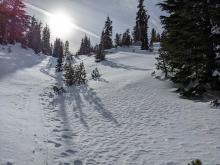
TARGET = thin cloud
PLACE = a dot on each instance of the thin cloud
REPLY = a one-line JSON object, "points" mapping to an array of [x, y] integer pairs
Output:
{"points": [[71, 24]]}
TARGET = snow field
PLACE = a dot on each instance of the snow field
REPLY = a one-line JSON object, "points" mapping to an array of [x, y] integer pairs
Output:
{"points": [[126, 117]]}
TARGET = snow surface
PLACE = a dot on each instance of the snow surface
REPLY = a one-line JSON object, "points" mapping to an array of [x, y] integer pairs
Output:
{"points": [[125, 118]]}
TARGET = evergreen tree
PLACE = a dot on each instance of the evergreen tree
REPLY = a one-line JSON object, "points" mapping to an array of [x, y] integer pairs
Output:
{"points": [[13, 21], [153, 37], [106, 37], [141, 28], [4, 17], [85, 47], [75, 75], [158, 37], [118, 40], [100, 54], [81, 74], [190, 42], [34, 35], [68, 75], [17, 20], [58, 52], [126, 38], [195, 162], [163, 59], [66, 49], [46, 48]]}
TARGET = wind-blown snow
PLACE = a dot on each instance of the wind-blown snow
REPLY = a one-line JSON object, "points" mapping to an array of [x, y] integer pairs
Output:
{"points": [[126, 117]]}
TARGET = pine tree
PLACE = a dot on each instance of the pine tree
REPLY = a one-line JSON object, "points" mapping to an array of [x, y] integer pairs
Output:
{"points": [[34, 35], [81, 74], [153, 37], [85, 47], [66, 49], [68, 75], [158, 37], [190, 42], [195, 162], [163, 59], [13, 21], [141, 28], [126, 38], [118, 40], [100, 54], [46, 49], [4, 17], [106, 37], [58, 52], [17, 20]]}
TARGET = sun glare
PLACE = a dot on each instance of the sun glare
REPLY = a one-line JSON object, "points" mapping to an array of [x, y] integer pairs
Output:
{"points": [[61, 24]]}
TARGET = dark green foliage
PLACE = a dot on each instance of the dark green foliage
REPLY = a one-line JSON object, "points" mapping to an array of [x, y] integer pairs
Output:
{"points": [[163, 59], [195, 91], [118, 40], [155, 37], [13, 21], [46, 48], [123, 40], [58, 52], [58, 90], [141, 28], [99, 54], [68, 75], [66, 49], [95, 74], [85, 47], [126, 38], [189, 50], [75, 75], [106, 37], [195, 162], [215, 103], [34, 35]]}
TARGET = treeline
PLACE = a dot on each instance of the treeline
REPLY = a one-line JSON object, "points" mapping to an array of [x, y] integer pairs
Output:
{"points": [[139, 36], [190, 45], [17, 26]]}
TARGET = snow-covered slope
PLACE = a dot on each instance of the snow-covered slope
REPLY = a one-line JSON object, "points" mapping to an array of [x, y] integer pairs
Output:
{"points": [[126, 117]]}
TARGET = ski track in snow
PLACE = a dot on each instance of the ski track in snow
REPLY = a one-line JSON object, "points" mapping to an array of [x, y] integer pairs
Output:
{"points": [[126, 117]]}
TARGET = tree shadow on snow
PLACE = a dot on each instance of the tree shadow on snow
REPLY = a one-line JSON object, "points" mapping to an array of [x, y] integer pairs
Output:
{"points": [[113, 64], [83, 96]]}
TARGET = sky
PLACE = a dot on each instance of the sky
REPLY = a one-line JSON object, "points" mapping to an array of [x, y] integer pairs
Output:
{"points": [[88, 16]]}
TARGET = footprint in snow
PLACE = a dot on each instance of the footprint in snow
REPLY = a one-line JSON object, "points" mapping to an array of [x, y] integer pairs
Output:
{"points": [[78, 162], [57, 145], [71, 151], [66, 137]]}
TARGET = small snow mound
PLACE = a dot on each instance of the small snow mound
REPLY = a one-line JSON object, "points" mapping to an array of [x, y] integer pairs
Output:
{"points": [[216, 73], [171, 163]]}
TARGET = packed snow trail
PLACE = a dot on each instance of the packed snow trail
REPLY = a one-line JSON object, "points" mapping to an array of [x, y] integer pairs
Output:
{"points": [[22, 129], [126, 117]]}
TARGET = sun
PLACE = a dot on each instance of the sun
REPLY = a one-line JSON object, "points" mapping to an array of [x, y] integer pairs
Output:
{"points": [[60, 24]]}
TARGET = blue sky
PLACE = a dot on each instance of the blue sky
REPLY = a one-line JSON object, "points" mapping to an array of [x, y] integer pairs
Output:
{"points": [[91, 14]]}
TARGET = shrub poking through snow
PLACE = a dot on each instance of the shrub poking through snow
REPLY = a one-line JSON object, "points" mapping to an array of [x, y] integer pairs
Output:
{"points": [[95, 74], [80, 74], [193, 92], [215, 103], [195, 162], [58, 90], [9, 49], [68, 75], [75, 75]]}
